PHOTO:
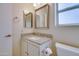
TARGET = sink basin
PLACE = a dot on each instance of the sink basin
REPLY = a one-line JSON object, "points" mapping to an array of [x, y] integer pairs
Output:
{"points": [[34, 38]]}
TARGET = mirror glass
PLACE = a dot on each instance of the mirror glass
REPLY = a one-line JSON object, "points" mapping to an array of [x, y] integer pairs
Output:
{"points": [[27, 20], [42, 17], [68, 13]]}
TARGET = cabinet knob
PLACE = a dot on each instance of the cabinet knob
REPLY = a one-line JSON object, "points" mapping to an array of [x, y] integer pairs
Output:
{"points": [[27, 53]]}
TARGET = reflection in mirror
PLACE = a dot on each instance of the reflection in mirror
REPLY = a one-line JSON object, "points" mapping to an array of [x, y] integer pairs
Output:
{"points": [[42, 17], [27, 20]]}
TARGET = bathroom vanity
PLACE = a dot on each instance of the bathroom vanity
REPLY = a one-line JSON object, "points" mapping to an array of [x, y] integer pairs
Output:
{"points": [[33, 45], [36, 45]]}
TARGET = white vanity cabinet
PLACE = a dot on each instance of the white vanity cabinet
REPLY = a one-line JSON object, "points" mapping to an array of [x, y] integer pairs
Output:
{"points": [[29, 48], [34, 47]]}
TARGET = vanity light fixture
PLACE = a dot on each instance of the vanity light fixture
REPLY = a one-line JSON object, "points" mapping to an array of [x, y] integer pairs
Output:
{"points": [[26, 12], [36, 4]]}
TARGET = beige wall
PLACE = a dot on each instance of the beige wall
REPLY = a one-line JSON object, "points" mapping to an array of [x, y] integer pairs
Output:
{"points": [[68, 35], [18, 25]]}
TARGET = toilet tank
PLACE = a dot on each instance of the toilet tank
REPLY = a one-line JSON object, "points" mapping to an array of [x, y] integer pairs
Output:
{"points": [[66, 50]]}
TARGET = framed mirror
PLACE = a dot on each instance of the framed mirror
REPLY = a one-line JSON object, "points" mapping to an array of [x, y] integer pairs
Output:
{"points": [[42, 17], [27, 20]]}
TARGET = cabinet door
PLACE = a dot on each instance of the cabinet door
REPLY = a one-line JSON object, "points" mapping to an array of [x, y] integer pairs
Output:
{"points": [[33, 49], [24, 49]]}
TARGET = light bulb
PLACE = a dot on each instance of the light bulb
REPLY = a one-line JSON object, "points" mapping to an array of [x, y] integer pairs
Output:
{"points": [[25, 11], [34, 4]]}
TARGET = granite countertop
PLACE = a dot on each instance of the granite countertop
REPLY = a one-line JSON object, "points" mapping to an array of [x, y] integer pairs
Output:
{"points": [[37, 39]]}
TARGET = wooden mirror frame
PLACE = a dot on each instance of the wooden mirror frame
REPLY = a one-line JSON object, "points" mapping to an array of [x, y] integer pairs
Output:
{"points": [[46, 5], [25, 20]]}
